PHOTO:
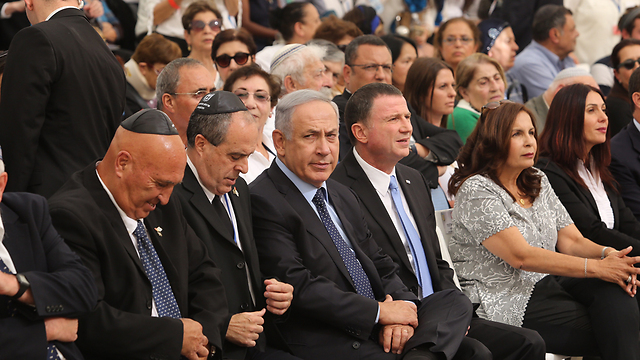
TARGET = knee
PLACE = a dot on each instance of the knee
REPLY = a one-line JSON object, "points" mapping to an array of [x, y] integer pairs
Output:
{"points": [[534, 345], [472, 349]]}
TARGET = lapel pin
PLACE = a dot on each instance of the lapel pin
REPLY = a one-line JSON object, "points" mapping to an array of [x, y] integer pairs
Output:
{"points": [[235, 192], [407, 181], [158, 230]]}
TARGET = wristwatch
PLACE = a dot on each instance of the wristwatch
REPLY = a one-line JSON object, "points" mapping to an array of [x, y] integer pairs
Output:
{"points": [[412, 148], [24, 286]]}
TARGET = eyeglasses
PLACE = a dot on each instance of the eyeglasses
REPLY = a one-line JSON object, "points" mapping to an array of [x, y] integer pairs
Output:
{"points": [[198, 25], [452, 40], [372, 68], [342, 47], [198, 94], [629, 64], [259, 96], [493, 105], [224, 60]]}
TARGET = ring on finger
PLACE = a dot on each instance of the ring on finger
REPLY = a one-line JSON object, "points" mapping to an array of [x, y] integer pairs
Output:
{"points": [[629, 279]]}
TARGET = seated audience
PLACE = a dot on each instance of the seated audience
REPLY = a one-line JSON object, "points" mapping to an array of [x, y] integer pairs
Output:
{"points": [[44, 287], [165, 18], [297, 22], [201, 23], [180, 87], [575, 155], [403, 53], [159, 293], [222, 134], [554, 37], [333, 61], [366, 19], [510, 230], [309, 229], [625, 153], [479, 80], [300, 67], [455, 40], [624, 59], [151, 56], [231, 50], [259, 92], [499, 43], [338, 31], [539, 105]]}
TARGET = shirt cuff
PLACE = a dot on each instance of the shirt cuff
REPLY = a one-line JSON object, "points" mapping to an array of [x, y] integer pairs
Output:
{"points": [[378, 314], [3, 11]]}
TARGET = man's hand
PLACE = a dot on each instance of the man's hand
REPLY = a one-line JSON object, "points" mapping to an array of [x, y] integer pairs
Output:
{"points": [[398, 312], [93, 9], [9, 286], [394, 337], [194, 343], [278, 295], [245, 328], [61, 329]]}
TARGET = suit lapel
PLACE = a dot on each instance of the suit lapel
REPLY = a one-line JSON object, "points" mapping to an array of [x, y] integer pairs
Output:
{"points": [[16, 234], [634, 136], [245, 235]]}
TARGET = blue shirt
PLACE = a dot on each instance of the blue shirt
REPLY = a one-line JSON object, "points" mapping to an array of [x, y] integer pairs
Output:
{"points": [[536, 67]]}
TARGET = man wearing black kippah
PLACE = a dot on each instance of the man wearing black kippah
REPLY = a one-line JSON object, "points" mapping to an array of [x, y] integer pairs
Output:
{"points": [[159, 294]]}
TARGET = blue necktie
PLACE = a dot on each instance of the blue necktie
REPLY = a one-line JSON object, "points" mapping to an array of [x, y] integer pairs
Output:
{"points": [[12, 310], [413, 238], [359, 277], [162, 293]]}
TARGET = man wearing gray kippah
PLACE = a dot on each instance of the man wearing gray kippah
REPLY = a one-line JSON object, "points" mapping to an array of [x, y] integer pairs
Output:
{"points": [[159, 293]]}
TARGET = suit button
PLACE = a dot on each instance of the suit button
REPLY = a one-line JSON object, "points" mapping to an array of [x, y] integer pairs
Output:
{"points": [[244, 306], [48, 308], [149, 304], [240, 265], [355, 345]]}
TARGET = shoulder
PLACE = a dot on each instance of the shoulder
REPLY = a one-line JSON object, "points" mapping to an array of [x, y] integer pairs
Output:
{"points": [[25, 204], [477, 184]]}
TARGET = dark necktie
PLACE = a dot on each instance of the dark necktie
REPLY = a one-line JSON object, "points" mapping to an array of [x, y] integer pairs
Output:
{"points": [[161, 289], [12, 310], [223, 214], [359, 277]]}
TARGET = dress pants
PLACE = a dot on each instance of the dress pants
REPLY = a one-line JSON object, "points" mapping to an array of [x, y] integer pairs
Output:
{"points": [[585, 317], [506, 342]]}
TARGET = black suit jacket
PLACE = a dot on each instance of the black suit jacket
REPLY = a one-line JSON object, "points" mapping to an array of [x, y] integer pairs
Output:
{"points": [[221, 247], [60, 284], [444, 143], [583, 210], [121, 327], [416, 191], [625, 166], [327, 317], [62, 101]]}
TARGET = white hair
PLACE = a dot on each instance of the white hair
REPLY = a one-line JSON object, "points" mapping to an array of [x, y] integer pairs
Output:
{"points": [[294, 64]]}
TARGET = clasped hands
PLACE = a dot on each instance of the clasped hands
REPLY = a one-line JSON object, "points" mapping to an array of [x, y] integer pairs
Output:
{"points": [[399, 319], [617, 268]]}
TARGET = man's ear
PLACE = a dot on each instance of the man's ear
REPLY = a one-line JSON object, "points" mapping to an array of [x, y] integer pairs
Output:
{"points": [[554, 35], [279, 142], [346, 74], [4, 177], [636, 99], [289, 84], [168, 103], [123, 159], [29, 4], [199, 144], [360, 132]]}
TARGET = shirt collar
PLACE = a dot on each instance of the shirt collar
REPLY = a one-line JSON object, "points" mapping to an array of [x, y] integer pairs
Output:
{"points": [[129, 223], [210, 195], [60, 9], [379, 179], [553, 58], [307, 190], [637, 124]]}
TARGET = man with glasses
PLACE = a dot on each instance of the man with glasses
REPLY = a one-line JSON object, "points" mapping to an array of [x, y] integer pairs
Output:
{"points": [[180, 86], [368, 60]]}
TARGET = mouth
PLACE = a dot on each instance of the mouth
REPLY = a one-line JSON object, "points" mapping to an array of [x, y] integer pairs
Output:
{"points": [[602, 130], [321, 165], [529, 155]]}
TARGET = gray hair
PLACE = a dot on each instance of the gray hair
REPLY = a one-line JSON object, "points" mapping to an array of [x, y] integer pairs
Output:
{"points": [[213, 127], [169, 78], [288, 104], [332, 53], [294, 64]]}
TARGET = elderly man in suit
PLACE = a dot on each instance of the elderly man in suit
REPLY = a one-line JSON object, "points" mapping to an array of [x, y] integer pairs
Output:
{"points": [[43, 285], [396, 202], [310, 232], [62, 97], [159, 293], [216, 203]]}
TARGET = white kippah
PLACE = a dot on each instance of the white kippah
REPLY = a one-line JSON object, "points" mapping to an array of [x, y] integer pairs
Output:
{"points": [[571, 72], [284, 53]]}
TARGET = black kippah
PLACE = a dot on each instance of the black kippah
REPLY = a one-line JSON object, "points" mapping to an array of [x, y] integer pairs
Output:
{"points": [[150, 121], [219, 102]]}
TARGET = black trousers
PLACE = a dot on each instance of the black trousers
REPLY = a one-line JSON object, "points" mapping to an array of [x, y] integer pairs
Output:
{"points": [[506, 342], [585, 317]]}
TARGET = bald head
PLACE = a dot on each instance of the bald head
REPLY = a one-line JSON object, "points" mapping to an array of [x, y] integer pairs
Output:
{"points": [[558, 84]]}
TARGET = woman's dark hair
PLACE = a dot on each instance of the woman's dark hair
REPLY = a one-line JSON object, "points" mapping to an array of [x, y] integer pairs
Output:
{"points": [[487, 149], [246, 72], [562, 139], [395, 43], [196, 8], [155, 48], [285, 19], [230, 35], [363, 16], [437, 42], [334, 29], [3, 60], [421, 79]]}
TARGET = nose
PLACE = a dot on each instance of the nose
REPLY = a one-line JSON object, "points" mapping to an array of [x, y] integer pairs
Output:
{"points": [[380, 74], [406, 126], [233, 65], [451, 92], [327, 79], [322, 146], [164, 195]]}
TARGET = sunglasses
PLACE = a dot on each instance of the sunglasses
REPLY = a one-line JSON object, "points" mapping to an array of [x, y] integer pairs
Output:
{"points": [[493, 105], [224, 60], [198, 25], [629, 64]]}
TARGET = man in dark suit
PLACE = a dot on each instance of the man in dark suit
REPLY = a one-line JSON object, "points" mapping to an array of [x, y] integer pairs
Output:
{"points": [[217, 205], [379, 119], [625, 152], [43, 285], [368, 60], [159, 293], [310, 232], [62, 97]]}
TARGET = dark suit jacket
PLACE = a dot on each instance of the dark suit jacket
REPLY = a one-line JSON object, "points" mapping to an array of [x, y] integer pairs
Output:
{"points": [[60, 284], [444, 143], [540, 109], [418, 196], [625, 165], [121, 327], [327, 317], [62, 101], [221, 247], [583, 210]]}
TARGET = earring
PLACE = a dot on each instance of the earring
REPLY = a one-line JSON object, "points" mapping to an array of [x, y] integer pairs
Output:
{"points": [[270, 114], [189, 47]]}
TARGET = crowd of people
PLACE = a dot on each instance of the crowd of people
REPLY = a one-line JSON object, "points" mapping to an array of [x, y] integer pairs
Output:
{"points": [[229, 179]]}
